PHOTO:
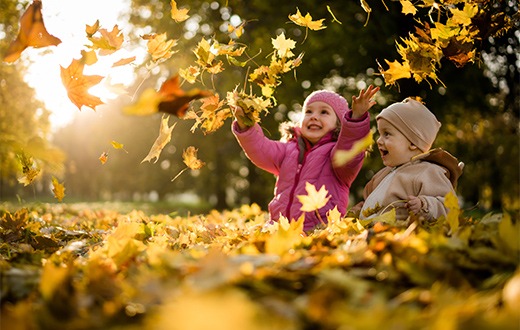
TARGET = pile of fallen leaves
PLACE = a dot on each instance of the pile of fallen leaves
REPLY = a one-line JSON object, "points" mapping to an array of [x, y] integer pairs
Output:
{"points": [[68, 268]]}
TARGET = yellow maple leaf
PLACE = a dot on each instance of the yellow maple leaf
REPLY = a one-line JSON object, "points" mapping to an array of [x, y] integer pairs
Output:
{"points": [[408, 7], [314, 200], [342, 157], [109, 42], [452, 204], [159, 47], [165, 132], [395, 72], [190, 74], [306, 21], [465, 15], [283, 46], [58, 189], [178, 15], [189, 156]]}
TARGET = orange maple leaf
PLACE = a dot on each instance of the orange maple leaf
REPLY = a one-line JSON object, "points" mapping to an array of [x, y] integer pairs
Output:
{"points": [[77, 85], [175, 100], [32, 33]]}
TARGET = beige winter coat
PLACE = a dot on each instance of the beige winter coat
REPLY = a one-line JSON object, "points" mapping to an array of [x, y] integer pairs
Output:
{"points": [[429, 176]]}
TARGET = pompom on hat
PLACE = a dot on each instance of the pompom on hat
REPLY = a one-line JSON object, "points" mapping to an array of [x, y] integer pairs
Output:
{"points": [[336, 101], [418, 124]]}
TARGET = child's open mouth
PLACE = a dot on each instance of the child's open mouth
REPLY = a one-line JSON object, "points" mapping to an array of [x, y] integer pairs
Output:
{"points": [[383, 152], [314, 127]]}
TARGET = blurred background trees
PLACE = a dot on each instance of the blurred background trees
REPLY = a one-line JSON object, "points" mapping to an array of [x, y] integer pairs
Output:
{"points": [[478, 105]]}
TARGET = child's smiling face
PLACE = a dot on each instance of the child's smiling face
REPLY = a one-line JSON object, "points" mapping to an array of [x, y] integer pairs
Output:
{"points": [[394, 147], [318, 119]]}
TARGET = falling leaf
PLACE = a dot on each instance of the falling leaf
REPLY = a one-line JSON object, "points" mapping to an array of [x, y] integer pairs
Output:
{"points": [[159, 47], [283, 46], [395, 72], [189, 156], [58, 189], [334, 19], [124, 61], [190, 74], [147, 104], [118, 145], [206, 57], [109, 41], [408, 7], [306, 21], [77, 85], [32, 33], [366, 8], [29, 169], [176, 101], [165, 132], [178, 15], [90, 30], [237, 30], [342, 157], [314, 200], [464, 16], [88, 57], [103, 158]]}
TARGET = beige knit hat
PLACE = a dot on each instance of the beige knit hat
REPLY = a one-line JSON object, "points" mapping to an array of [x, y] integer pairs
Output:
{"points": [[414, 120]]}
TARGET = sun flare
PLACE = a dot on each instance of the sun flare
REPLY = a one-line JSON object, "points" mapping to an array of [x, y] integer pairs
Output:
{"points": [[68, 20]]}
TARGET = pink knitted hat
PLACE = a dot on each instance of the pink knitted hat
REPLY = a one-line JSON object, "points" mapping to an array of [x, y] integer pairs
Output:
{"points": [[414, 120], [336, 101]]}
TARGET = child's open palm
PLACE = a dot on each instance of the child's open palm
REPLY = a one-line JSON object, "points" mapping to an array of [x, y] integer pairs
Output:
{"points": [[363, 102]]}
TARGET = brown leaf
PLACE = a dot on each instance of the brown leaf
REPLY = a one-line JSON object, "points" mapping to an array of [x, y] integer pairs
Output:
{"points": [[32, 33], [175, 100]]}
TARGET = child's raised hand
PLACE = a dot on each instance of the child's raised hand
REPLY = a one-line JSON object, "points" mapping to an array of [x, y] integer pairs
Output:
{"points": [[363, 102], [239, 115], [414, 204]]}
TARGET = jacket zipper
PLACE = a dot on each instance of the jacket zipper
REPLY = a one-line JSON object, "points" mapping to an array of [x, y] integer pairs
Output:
{"points": [[296, 181]]}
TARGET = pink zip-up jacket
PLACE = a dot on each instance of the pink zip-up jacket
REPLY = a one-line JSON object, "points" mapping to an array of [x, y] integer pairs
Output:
{"points": [[315, 166]]}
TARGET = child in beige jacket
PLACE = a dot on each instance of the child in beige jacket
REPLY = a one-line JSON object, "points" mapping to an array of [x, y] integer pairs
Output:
{"points": [[415, 179]]}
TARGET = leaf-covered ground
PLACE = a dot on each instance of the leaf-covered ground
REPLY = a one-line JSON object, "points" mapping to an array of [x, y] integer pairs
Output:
{"points": [[68, 268]]}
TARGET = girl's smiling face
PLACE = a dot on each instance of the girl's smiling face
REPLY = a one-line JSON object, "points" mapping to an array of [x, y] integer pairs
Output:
{"points": [[394, 147], [318, 119]]}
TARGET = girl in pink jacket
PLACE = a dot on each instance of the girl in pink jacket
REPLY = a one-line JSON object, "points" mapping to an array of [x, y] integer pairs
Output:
{"points": [[328, 125]]}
